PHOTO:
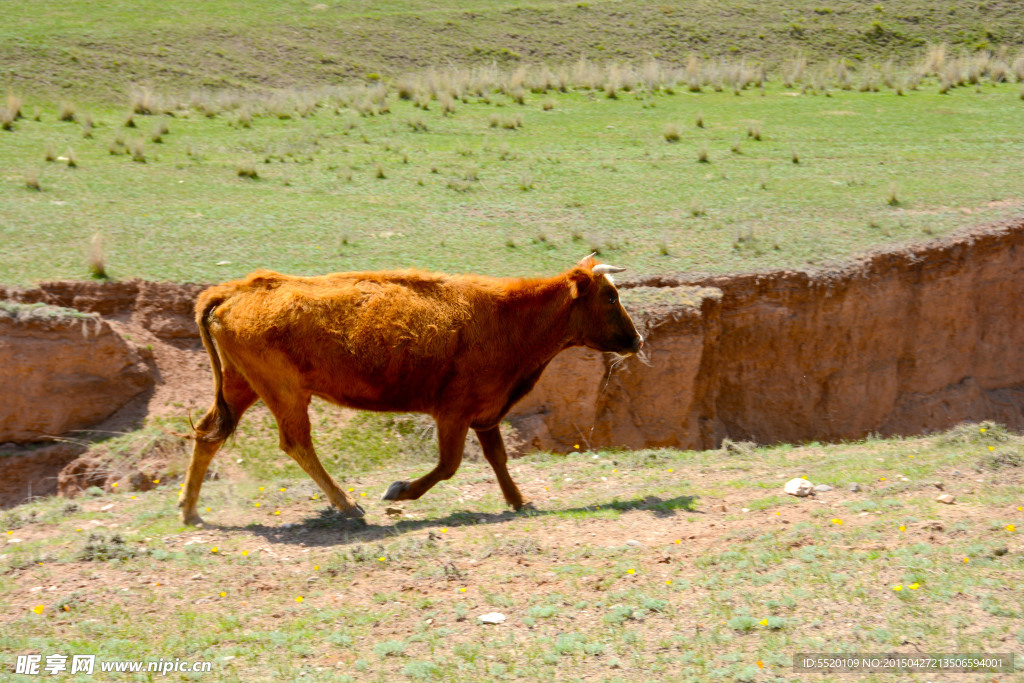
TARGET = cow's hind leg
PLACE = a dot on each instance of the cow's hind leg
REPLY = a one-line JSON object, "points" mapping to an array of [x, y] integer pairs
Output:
{"points": [[494, 451], [451, 440], [295, 438], [239, 396]]}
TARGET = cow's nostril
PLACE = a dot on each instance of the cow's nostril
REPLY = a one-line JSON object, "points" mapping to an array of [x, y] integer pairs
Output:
{"points": [[639, 342]]}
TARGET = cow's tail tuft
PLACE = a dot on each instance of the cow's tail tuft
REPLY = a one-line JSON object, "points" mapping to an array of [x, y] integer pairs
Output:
{"points": [[219, 422]]}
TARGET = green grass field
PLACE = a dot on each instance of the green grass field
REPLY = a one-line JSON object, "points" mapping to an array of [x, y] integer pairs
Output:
{"points": [[275, 586], [508, 188]]}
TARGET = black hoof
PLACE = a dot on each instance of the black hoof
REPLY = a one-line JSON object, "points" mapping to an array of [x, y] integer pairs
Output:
{"points": [[357, 511], [395, 490]]}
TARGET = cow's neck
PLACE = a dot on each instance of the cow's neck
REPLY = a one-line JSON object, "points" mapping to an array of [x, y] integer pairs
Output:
{"points": [[538, 324]]}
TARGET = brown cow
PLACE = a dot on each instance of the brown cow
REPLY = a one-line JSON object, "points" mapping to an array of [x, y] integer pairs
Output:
{"points": [[461, 348]]}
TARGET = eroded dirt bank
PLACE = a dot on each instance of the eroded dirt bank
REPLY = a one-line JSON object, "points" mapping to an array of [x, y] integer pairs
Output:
{"points": [[896, 343]]}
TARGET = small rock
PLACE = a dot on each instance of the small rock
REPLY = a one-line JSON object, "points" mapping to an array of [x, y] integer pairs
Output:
{"points": [[745, 510], [933, 526], [633, 544], [718, 508], [946, 498], [798, 487], [957, 473], [392, 511], [822, 488], [854, 487], [201, 601], [492, 618], [108, 506], [197, 577], [939, 485], [1000, 551]]}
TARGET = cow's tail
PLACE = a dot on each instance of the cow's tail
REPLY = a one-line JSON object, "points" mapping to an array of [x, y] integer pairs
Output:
{"points": [[219, 422]]}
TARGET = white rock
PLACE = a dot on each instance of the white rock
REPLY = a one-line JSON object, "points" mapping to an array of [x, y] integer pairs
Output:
{"points": [[798, 487], [822, 488], [633, 544], [946, 498], [492, 618]]}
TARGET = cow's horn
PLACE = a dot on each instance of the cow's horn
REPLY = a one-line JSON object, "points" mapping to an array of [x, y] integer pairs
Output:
{"points": [[604, 269]]}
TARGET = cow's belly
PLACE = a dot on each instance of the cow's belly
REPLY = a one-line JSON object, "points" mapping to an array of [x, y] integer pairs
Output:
{"points": [[394, 390]]}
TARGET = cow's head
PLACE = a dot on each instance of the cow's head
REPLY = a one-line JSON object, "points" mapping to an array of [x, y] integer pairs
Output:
{"points": [[598, 319]]}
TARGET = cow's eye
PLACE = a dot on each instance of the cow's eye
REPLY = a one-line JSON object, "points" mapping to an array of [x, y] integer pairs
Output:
{"points": [[613, 298]]}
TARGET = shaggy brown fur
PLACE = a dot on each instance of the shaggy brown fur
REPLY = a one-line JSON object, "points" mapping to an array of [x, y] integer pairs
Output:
{"points": [[461, 348]]}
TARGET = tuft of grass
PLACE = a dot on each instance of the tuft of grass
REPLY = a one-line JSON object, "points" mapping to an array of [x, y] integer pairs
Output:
{"points": [[144, 102], [671, 132], [794, 156], [6, 119], [137, 147], [96, 261], [102, 548], [893, 198], [50, 152], [702, 154], [1001, 459], [159, 131], [14, 106], [246, 169], [67, 112], [378, 171], [754, 132], [129, 121], [697, 208], [87, 126], [72, 159], [32, 181], [525, 181], [117, 145], [548, 104], [700, 119], [737, 147], [447, 105]]}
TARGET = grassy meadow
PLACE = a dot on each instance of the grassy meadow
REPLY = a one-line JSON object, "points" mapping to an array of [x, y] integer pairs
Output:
{"points": [[653, 565], [720, 175]]}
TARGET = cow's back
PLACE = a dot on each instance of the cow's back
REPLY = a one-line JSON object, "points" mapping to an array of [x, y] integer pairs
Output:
{"points": [[367, 339]]}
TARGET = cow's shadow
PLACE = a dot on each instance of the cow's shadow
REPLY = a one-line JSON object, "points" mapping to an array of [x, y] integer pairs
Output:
{"points": [[331, 529]]}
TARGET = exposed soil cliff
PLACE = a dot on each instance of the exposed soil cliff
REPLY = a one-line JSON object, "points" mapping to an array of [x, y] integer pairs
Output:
{"points": [[62, 370]]}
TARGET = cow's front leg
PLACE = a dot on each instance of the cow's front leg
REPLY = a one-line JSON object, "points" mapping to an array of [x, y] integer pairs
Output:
{"points": [[451, 440], [494, 451]]}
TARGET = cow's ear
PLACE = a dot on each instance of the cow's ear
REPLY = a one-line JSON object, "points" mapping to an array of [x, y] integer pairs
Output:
{"points": [[579, 281]]}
